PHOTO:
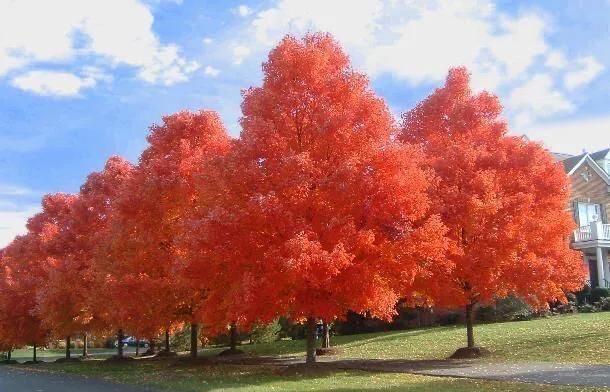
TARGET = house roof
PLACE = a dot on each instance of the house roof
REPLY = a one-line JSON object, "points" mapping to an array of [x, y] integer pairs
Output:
{"points": [[600, 154], [571, 163], [561, 156]]}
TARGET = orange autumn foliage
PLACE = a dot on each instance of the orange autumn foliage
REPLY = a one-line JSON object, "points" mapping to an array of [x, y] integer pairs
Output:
{"points": [[149, 217], [502, 197], [322, 212]]}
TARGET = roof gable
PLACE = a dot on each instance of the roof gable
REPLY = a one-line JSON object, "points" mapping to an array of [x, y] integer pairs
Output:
{"points": [[586, 158], [603, 154]]}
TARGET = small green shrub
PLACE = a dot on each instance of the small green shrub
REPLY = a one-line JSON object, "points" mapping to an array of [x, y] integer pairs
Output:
{"points": [[598, 293], [604, 304], [583, 295], [587, 308], [486, 313], [572, 298], [513, 308], [266, 333], [450, 318]]}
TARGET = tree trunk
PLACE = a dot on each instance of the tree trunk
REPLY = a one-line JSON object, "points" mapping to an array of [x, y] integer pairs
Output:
{"points": [[85, 345], [34, 354], [167, 340], [68, 353], [469, 321], [10, 351], [119, 337], [311, 340], [152, 345], [137, 347], [325, 335], [194, 333], [233, 337]]}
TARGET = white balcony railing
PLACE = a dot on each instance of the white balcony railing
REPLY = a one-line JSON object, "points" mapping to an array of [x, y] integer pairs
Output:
{"points": [[582, 234], [594, 232]]}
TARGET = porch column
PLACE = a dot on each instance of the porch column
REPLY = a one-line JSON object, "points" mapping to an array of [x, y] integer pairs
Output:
{"points": [[586, 261], [600, 266], [606, 266]]}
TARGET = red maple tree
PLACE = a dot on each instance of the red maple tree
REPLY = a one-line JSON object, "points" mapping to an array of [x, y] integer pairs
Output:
{"points": [[150, 215], [502, 198], [324, 212], [97, 197]]}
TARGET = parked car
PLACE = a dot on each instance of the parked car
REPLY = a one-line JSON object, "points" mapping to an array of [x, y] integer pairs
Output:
{"points": [[132, 342]]}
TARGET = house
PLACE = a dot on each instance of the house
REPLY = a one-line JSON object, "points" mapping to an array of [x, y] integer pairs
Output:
{"points": [[590, 203]]}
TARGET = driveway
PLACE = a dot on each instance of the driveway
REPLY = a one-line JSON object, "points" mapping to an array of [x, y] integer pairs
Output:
{"points": [[16, 380], [533, 372]]}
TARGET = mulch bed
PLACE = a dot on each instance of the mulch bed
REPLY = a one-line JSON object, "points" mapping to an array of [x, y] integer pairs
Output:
{"points": [[470, 353]]}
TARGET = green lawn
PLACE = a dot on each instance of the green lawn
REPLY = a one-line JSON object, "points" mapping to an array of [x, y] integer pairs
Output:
{"points": [[582, 338], [26, 353], [199, 378]]}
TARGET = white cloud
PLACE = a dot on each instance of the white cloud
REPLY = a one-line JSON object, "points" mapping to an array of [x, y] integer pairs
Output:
{"points": [[572, 136], [589, 70], [15, 190], [64, 31], [351, 22], [12, 223], [537, 98], [52, 83], [419, 40], [15, 209], [240, 52], [556, 59], [207, 40], [243, 10], [211, 71]]}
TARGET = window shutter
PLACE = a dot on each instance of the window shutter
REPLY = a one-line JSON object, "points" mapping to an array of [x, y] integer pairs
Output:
{"points": [[575, 211], [604, 214]]}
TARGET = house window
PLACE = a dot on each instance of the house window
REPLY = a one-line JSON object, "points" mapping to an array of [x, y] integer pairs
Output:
{"points": [[588, 212]]}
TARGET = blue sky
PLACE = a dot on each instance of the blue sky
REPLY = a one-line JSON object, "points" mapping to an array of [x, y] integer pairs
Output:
{"points": [[83, 80]]}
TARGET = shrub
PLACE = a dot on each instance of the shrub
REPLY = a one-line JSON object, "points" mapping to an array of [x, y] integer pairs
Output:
{"points": [[181, 340], [587, 308], [288, 329], [486, 313], [266, 333], [598, 293], [583, 295], [450, 318], [570, 307], [572, 297], [603, 304], [513, 308]]}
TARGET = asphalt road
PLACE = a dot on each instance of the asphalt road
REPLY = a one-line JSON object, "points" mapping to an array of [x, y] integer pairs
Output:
{"points": [[532, 372], [17, 380]]}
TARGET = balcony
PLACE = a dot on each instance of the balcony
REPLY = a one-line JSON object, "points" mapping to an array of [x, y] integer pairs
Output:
{"points": [[596, 233]]}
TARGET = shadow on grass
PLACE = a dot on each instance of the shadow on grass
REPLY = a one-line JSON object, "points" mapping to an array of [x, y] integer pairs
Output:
{"points": [[209, 377]]}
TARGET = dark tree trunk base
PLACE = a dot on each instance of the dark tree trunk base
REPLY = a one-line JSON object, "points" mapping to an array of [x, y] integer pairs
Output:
{"points": [[328, 351], [71, 359], [231, 351], [470, 352]]}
